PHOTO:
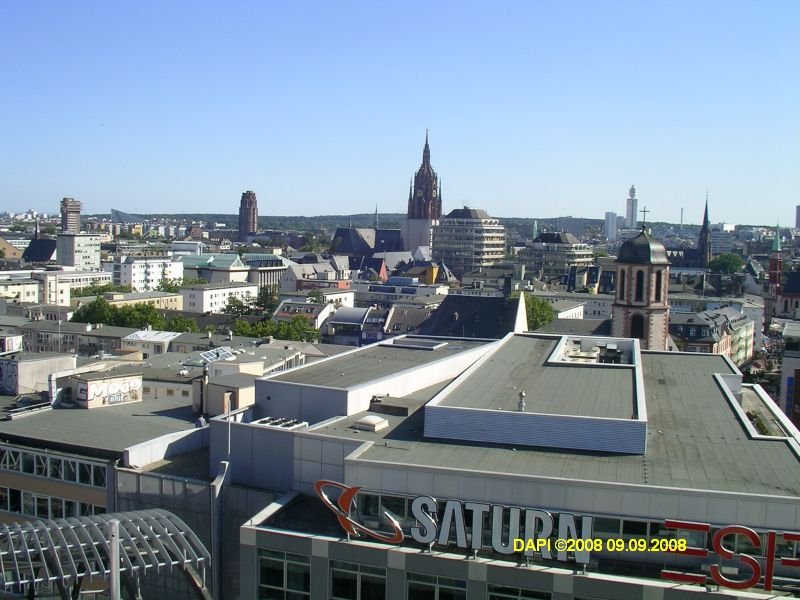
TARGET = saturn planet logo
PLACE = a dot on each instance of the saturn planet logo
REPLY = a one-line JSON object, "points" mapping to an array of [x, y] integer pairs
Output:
{"points": [[342, 507]]}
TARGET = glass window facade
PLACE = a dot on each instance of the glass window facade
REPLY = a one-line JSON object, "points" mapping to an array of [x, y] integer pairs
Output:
{"points": [[283, 576], [41, 464], [353, 581], [433, 587]]}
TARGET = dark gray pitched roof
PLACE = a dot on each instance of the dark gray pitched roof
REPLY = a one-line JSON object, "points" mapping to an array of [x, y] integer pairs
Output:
{"points": [[792, 285], [472, 316], [41, 250]]}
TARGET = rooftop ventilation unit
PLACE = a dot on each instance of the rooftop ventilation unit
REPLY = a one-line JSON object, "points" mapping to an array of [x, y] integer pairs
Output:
{"points": [[371, 423], [285, 423]]}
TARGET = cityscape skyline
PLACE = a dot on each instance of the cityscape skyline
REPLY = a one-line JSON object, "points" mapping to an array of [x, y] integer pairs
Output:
{"points": [[533, 110]]}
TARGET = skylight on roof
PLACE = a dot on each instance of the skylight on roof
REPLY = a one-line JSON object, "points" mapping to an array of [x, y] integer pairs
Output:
{"points": [[417, 344], [223, 353]]}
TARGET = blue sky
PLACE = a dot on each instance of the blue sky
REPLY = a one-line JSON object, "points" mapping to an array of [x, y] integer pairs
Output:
{"points": [[534, 108]]}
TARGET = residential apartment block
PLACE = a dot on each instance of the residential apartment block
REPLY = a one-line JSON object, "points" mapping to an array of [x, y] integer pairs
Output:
{"points": [[143, 274], [213, 297]]}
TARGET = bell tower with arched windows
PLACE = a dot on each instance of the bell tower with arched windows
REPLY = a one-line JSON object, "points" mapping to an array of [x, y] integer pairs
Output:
{"points": [[641, 305]]}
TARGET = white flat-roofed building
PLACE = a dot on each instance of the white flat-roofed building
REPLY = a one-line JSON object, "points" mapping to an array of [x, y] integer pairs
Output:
{"points": [[567, 309], [396, 289], [409, 467], [213, 297], [34, 287], [329, 295], [79, 250], [595, 306], [187, 248], [143, 274], [149, 342], [160, 300], [81, 279]]}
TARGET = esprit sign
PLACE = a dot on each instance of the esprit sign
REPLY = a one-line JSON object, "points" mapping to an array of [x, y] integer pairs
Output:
{"points": [[721, 543], [455, 516]]}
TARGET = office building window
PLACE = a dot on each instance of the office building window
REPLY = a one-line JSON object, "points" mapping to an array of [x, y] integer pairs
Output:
{"points": [[431, 587], [283, 576], [52, 467], [41, 506], [504, 592], [353, 581]]}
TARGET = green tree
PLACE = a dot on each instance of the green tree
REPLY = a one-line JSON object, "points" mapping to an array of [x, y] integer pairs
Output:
{"points": [[242, 328], [298, 329], [169, 285], [131, 315], [314, 243], [317, 296], [267, 299], [181, 324], [540, 312], [99, 290], [726, 263], [48, 229], [97, 311], [234, 306], [140, 315]]}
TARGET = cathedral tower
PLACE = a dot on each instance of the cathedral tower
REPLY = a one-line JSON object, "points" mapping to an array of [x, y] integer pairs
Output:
{"points": [[425, 196], [424, 203]]}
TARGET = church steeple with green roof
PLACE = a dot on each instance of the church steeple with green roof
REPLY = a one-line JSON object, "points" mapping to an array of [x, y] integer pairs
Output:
{"points": [[776, 243]]}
